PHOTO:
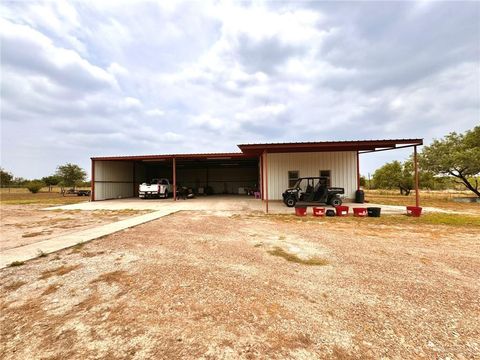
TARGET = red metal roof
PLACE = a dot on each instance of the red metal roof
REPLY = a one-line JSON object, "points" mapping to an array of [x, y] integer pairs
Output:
{"points": [[353, 145], [252, 150], [212, 156]]}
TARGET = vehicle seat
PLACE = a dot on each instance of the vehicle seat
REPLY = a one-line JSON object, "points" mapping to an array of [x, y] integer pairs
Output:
{"points": [[320, 193]]}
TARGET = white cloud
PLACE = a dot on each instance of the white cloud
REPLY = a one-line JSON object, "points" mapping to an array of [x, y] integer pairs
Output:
{"points": [[208, 121], [262, 112], [109, 77], [117, 70], [33, 52], [155, 112]]}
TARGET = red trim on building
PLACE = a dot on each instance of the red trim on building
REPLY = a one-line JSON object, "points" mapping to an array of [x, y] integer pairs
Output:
{"points": [[206, 156], [133, 178], [251, 151], [358, 171], [417, 195], [261, 177]]}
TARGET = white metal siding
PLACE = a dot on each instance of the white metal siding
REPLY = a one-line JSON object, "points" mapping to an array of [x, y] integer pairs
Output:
{"points": [[113, 179], [342, 166]]}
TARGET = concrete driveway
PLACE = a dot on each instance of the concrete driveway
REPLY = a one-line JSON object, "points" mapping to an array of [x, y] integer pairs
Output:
{"points": [[230, 203]]}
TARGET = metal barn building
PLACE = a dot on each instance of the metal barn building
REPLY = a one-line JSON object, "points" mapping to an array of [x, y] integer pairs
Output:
{"points": [[271, 168]]}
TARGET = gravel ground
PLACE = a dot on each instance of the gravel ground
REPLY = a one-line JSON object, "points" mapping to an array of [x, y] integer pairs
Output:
{"points": [[28, 224], [239, 287]]}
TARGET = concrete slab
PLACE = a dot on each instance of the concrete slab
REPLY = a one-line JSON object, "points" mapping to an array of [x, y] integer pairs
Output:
{"points": [[31, 251], [235, 203]]}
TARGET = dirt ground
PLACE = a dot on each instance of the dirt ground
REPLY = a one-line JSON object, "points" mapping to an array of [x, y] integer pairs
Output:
{"points": [[27, 224], [250, 287]]}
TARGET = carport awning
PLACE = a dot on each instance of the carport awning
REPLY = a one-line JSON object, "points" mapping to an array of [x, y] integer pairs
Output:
{"points": [[253, 150], [206, 156], [356, 145]]}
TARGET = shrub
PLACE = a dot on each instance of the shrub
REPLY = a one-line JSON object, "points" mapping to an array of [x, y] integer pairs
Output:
{"points": [[17, 263], [35, 186]]}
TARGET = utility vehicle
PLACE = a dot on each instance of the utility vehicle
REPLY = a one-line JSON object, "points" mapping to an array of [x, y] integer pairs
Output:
{"points": [[311, 191]]}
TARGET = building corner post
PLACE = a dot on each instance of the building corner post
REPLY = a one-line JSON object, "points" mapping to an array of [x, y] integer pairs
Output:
{"points": [[415, 161], [266, 179], [92, 182]]}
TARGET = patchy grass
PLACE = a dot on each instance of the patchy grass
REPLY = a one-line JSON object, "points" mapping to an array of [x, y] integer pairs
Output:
{"points": [[118, 276], [51, 289], [79, 246], [314, 261], [438, 199], [87, 254], [59, 271], [35, 233], [447, 219], [17, 263], [14, 285], [41, 198], [454, 220]]}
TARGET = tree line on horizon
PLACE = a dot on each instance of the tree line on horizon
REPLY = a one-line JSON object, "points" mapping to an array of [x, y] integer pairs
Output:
{"points": [[67, 175]]}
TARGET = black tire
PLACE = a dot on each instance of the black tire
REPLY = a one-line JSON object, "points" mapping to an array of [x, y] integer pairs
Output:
{"points": [[165, 194], [290, 201], [335, 201]]}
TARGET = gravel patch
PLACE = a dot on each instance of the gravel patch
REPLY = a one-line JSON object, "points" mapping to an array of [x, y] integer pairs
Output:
{"points": [[197, 285]]}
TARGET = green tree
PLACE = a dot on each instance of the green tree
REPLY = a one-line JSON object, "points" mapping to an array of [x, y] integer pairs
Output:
{"points": [[395, 175], [456, 155], [70, 175], [50, 181], [5, 177], [363, 181], [19, 181]]}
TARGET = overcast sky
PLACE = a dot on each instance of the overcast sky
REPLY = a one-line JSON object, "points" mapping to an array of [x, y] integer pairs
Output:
{"points": [[89, 78]]}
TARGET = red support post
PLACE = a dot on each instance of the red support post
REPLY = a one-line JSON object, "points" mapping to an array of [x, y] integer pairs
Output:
{"points": [[93, 181], [358, 171], [260, 185], [417, 197], [174, 180], [133, 180], [266, 180]]}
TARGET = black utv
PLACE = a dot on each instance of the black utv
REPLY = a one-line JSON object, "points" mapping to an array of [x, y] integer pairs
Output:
{"points": [[313, 190]]}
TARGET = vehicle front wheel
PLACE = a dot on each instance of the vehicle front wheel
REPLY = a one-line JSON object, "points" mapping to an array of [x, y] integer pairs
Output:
{"points": [[336, 201], [290, 201], [165, 196]]}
